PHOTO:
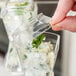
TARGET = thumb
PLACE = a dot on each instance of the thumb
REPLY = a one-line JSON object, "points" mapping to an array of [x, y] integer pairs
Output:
{"points": [[64, 6], [69, 23]]}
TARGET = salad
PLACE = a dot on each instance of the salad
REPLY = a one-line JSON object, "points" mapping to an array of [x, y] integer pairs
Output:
{"points": [[37, 58]]}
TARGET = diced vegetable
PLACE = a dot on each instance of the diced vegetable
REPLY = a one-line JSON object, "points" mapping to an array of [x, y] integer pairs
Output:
{"points": [[38, 40], [25, 56], [22, 4], [11, 50]]}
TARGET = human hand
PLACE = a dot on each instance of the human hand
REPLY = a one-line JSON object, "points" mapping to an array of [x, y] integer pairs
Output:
{"points": [[62, 22]]}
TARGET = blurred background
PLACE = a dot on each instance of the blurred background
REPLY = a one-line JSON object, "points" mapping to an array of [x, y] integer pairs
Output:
{"points": [[67, 49]]}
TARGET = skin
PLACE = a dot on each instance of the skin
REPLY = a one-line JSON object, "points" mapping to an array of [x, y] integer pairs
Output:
{"points": [[62, 22]]}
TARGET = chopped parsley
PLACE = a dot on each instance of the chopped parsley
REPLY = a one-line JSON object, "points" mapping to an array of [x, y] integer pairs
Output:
{"points": [[20, 10], [41, 65], [11, 50], [22, 4], [25, 56], [38, 40]]}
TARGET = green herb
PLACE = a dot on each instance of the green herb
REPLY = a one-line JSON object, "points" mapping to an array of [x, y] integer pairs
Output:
{"points": [[47, 74], [25, 56], [22, 4], [20, 10], [38, 40], [28, 48], [11, 50], [41, 65]]}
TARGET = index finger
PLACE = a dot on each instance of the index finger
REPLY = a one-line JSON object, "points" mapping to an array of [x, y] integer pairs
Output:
{"points": [[62, 9]]}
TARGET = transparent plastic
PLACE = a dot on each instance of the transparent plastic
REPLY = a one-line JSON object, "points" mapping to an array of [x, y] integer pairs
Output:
{"points": [[22, 59], [17, 18], [30, 63]]}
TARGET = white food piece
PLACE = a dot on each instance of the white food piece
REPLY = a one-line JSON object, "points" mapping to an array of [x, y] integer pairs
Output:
{"points": [[36, 63], [51, 59], [46, 47]]}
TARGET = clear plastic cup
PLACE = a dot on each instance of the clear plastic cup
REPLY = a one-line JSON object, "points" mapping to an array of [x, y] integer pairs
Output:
{"points": [[39, 61]]}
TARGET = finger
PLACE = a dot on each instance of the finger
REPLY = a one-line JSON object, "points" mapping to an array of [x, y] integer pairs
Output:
{"points": [[56, 28], [69, 23], [74, 7], [62, 9]]}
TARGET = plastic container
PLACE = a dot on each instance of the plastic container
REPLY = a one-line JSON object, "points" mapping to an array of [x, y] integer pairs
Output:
{"points": [[35, 61], [22, 58]]}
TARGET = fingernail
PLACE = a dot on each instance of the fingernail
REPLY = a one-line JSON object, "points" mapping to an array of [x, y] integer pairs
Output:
{"points": [[52, 22], [57, 26]]}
